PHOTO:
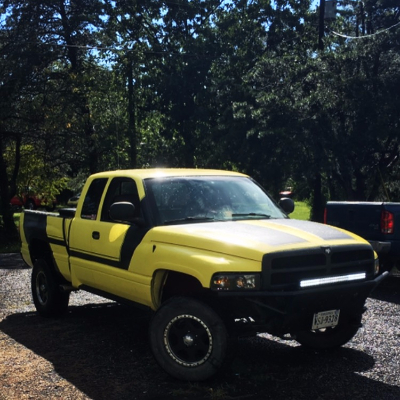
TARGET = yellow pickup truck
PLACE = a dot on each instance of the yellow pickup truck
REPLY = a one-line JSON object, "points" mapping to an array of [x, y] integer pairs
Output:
{"points": [[210, 253]]}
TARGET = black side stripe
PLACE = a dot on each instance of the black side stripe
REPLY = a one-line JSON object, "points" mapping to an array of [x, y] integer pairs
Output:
{"points": [[58, 242], [95, 258], [132, 239], [35, 226]]}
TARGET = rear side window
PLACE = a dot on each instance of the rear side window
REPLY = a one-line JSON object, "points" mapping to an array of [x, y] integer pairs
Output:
{"points": [[92, 199]]}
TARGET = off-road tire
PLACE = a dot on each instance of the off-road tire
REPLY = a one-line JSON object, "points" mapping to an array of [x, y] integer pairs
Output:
{"points": [[48, 298], [188, 339]]}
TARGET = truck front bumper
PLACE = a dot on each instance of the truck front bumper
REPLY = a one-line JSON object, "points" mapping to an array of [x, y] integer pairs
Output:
{"points": [[280, 313]]}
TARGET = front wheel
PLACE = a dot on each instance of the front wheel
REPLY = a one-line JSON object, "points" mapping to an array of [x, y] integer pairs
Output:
{"points": [[327, 338], [188, 339], [49, 300]]}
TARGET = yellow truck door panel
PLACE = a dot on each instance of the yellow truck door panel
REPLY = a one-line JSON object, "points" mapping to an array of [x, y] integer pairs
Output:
{"points": [[112, 248], [81, 254]]}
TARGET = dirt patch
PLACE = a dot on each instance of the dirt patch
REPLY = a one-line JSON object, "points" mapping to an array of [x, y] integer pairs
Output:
{"points": [[100, 350]]}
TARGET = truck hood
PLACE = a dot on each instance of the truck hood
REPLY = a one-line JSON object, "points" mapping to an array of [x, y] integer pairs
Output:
{"points": [[253, 238]]}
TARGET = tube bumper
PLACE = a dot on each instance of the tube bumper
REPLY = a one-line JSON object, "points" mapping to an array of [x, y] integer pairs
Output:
{"points": [[281, 313]]}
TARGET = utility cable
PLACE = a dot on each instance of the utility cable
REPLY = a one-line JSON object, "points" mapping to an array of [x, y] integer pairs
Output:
{"points": [[365, 36]]}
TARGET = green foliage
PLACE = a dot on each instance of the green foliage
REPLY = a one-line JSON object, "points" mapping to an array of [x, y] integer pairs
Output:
{"points": [[89, 86], [35, 175]]}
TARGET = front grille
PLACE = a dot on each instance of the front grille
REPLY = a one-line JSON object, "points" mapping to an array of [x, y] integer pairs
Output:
{"points": [[285, 270]]}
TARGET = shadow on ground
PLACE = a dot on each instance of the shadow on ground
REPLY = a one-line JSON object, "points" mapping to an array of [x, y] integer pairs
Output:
{"points": [[12, 261], [103, 351], [388, 290]]}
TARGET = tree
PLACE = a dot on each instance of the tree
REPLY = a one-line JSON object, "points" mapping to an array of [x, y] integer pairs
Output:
{"points": [[324, 117], [365, 149], [180, 69], [41, 44], [22, 59], [255, 88], [241, 85]]}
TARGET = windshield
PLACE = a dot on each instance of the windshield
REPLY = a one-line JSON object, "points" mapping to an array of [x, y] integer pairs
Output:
{"points": [[208, 198]]}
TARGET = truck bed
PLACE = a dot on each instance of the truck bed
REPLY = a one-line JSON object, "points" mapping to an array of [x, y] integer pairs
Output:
{"points": [[371, 221]]}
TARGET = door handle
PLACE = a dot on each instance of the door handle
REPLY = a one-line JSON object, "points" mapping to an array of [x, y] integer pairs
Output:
{"points": [[96, 235]]}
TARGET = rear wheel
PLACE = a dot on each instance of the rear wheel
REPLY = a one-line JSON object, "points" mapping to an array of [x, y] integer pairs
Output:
{"points": [[49, 300], [188, 339], [327, 338]]}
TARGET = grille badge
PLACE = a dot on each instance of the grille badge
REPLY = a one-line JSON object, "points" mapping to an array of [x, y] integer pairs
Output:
{"points": [[327, 250]]}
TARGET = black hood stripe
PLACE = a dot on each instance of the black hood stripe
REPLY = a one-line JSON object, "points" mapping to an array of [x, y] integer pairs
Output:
{"points": [[262, 234], [322, 231], [270, 233]]}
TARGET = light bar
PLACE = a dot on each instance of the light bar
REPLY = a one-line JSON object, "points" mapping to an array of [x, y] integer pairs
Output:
{"points": [[332, 279]]}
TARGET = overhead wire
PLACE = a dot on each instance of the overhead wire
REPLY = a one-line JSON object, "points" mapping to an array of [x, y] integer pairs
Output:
{"points": [[365, 36]]}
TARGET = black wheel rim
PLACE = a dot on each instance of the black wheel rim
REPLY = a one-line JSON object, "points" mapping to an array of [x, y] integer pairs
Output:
{"points": [[188, 340], [42, 288]]}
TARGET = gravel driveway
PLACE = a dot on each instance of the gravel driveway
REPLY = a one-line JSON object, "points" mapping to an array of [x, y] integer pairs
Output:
{"points": [[99, 350]]}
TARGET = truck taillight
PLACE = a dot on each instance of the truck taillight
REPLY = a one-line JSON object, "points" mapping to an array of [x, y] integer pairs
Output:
{"points": [[325, 215], [387, 222]]}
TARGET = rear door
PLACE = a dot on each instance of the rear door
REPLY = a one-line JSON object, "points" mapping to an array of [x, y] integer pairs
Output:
{"points": [[82, 256]]}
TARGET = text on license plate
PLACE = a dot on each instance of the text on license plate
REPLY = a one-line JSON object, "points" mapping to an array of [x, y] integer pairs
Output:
{"points": [[325, 319]]}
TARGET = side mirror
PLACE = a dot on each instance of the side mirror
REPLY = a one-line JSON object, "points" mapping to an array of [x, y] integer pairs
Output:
{"points": [[123, 211], [287, 205]]}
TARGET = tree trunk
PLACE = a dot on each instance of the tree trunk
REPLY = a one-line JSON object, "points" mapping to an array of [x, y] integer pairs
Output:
{"points": [[132, 119], [318, 204], [9, 232]]}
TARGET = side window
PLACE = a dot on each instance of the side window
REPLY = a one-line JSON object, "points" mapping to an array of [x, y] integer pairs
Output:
{"points": [[121, 189], [92, 200]]}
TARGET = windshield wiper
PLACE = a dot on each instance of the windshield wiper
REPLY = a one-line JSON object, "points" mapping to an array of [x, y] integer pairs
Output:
{"points": [[189, 219], [251, 215]]}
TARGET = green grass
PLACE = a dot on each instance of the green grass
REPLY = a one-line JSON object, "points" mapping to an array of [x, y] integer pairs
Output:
{"points": [[301, 211]]}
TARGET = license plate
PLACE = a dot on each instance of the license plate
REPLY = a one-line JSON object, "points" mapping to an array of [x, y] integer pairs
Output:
{"points": [[325, 319]]}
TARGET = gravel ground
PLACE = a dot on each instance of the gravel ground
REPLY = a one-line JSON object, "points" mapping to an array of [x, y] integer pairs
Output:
{"points": [[99, 350]]}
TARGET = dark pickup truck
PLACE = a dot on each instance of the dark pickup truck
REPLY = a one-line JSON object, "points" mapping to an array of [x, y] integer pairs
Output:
{"points": [[377, 222]]}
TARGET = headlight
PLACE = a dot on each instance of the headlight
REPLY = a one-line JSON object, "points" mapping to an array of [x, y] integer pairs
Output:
{"points": [[237, 282]]}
